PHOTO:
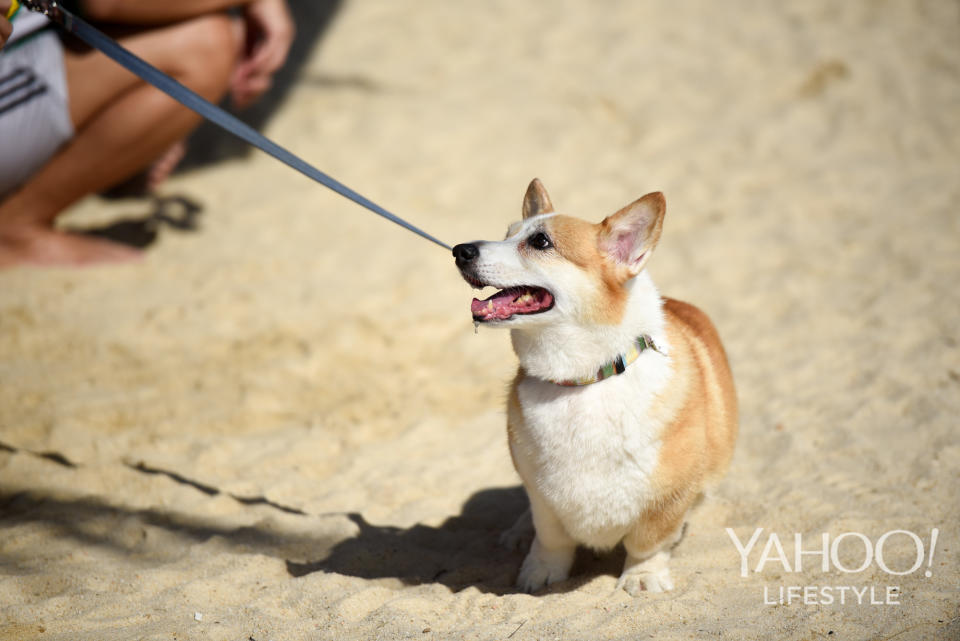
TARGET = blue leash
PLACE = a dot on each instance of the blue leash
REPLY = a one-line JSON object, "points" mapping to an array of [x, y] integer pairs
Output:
{"points": [[208, 110]]}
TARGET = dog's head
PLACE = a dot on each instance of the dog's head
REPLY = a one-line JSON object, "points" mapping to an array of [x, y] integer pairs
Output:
{"points": [[552, 268]]}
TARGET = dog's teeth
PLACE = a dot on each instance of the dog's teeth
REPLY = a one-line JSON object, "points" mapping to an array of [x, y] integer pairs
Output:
{"points": [[524, 299], [490, 305]]}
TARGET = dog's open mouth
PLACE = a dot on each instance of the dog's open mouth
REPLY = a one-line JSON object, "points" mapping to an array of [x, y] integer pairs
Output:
{"points": [[511, 302]]}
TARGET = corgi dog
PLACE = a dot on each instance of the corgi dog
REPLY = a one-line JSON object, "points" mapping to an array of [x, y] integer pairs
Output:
{"points": [[623, 409]]}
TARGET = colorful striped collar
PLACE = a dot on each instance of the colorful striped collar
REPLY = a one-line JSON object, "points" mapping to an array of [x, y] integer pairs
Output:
{"points": [[617, 365]]}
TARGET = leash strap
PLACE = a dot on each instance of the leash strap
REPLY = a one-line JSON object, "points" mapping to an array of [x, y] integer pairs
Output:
{"points": [[190, 99]]}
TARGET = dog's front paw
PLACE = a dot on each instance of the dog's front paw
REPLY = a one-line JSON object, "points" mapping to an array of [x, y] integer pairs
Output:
{"points": [[543, 567], [651, 575], [636, 582]]}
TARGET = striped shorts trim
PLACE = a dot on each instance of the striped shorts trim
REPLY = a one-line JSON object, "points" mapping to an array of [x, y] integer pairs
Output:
{"points": [[34, 108], [19, 87]]}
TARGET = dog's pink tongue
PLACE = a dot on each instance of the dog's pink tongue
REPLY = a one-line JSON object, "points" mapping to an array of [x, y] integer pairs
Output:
{"points": [[497, 307], [506, 303]]}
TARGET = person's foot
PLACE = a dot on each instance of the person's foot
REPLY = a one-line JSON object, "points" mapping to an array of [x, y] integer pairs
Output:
{"points": [[44, 246]]}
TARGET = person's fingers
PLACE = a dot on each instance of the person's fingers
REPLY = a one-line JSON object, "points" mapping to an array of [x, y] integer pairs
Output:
{"points": [[279, 43], [245, 88], [243, 69], [270, 53], [238, 87], [259, 84], [254, 72], [258, 57], [251, 89], [271, 20], [270, 30], [277, 54]]}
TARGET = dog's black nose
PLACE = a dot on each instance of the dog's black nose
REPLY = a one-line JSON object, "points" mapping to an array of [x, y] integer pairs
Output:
{"points": [[465, 252]]}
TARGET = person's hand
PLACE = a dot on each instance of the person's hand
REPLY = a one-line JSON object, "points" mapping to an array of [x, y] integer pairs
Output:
{"points": [[268, 35], [5, 27]]}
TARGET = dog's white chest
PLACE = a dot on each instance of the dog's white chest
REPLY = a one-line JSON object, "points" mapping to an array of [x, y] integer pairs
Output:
{"points": [[590, 451]]}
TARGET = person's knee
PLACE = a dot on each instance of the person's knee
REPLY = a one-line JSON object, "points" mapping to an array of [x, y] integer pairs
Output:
{"points": [[208, 48]]}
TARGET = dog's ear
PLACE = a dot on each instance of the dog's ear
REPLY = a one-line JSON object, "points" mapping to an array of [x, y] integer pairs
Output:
{"points": [[629, 235], [536, 201]]}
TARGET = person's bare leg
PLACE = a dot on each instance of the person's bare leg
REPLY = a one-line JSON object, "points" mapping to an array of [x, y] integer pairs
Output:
{"points": [[122, 125]]}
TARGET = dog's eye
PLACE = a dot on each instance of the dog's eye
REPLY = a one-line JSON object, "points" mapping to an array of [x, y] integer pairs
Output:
{"points": [[539, 241]]}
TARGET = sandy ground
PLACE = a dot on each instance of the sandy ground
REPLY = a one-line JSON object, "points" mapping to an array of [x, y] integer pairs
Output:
{"points": [[284, 427]]}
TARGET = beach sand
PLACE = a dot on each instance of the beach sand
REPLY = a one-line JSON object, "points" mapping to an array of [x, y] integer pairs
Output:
{"points": [[283, 426]]}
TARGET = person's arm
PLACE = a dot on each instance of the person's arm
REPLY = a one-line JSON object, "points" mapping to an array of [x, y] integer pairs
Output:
{"points": [[5, 27], [268, 33], [153, 12]]}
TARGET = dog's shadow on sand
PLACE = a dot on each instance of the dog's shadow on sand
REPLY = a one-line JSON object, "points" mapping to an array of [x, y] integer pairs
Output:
{"points": [[462, 552]]}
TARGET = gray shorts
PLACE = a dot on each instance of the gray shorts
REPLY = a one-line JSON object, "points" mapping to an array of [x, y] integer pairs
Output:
{"points": [[34, 108]]}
